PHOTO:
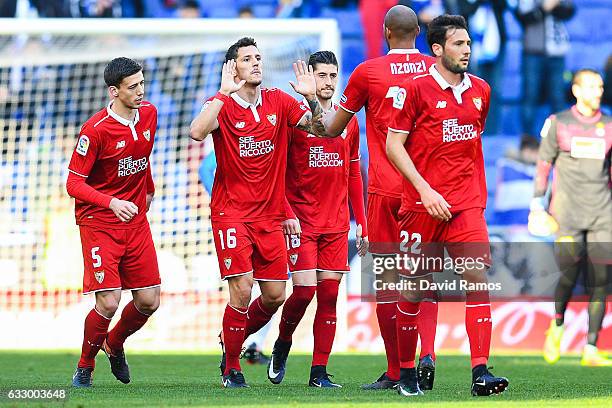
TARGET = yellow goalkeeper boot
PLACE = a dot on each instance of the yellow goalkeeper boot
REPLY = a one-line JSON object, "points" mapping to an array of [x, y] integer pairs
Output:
{"points": [[591, 357], [552, 344]]}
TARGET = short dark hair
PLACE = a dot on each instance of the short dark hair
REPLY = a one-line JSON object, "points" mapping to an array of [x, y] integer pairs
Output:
{"points": [[232, 51], [439, 26], [120, 68], [582, 71], [322, 57], [529, 142]]}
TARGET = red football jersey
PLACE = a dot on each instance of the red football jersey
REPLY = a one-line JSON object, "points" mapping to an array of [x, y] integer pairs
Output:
{"points": [[444, 125], [317, 178], [251, 147], [373, 84], [113, 154]]}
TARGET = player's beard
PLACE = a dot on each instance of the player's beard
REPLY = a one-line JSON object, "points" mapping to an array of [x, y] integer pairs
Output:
{"points": [[323, 96], [452, 66]]}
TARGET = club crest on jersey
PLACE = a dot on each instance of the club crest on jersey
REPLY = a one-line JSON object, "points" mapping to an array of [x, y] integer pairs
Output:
{"points": [[82, 145], [147, 134], [272, 119], [293, 258], [477, 103], [227, 262], [600, 129], [99, 276]]}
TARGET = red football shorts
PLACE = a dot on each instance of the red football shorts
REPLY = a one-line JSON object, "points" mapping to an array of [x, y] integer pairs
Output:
{"points": [[118, 258], [383, 222], [312, 252], [465, 238], [251, 247]]}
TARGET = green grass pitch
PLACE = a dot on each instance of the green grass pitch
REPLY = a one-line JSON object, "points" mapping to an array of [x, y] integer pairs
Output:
{"points": [[193, 380]]}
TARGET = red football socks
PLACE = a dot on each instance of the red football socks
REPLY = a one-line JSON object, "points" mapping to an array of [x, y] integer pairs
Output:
{"points": [[427, 323], [96, 327], [478, 325], [386, 314], [131, 321], [234, 323], [324, 327], [257, 316], [407, 334], [294, 309]]}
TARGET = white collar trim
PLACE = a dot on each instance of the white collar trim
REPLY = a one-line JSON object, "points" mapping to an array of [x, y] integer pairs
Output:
{"points": [[403, 51], [121, 120], [244, 103], [465, 84]]}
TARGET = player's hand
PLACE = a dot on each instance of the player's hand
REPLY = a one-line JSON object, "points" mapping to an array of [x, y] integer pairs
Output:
{"points": [[228, 73], [124, 210], [305, 83], [291, 226], [149, 201], [361, 243], [435, 204]]}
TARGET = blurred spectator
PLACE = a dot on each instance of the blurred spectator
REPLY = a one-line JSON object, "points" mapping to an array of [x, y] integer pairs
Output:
{"points": [[245, 12], [8, 8], [606, 99], [426, 10], [514, 190], [372, 17], [299, 9], [52, 8], [189, 9], [545, 44], [93, 8], [489, 37]]}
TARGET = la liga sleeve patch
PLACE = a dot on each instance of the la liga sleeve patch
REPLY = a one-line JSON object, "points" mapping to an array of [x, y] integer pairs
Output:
{"points": [[399, 99], [82, 145]]}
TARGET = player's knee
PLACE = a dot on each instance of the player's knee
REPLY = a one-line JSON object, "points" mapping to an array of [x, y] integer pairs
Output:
{"points": [[147, 306], [273, 300], [107, 306]]}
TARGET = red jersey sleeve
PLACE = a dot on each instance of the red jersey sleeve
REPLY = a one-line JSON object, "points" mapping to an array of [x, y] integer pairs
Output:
{"points": [[485, 108], [150, 183], [355, 94], [352, 132], [295, 111], [404, 112], [85, 152]]}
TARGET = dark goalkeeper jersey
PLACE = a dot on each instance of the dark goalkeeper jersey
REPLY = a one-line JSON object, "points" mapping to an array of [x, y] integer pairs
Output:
{"points": [[579, 148]]}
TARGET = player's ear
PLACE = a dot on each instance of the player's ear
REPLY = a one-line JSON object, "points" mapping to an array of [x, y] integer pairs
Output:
{"points": [[437, 49], [113, 91]]}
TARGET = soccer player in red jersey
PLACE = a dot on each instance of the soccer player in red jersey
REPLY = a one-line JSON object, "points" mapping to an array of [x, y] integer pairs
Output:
{"points": [[373, 85], [434, 140], [323, 174], [250, 127], [110, 178]]}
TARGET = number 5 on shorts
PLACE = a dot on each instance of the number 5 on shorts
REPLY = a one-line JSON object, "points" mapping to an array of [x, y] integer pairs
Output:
{"points": [[97, 259], [230, 235]]}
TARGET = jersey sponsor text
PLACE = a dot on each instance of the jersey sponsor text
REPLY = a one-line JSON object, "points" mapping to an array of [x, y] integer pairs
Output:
{"points": [[251, 148], [452, 131]]}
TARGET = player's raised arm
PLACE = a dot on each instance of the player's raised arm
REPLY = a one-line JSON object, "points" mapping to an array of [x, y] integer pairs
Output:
{"points": [[433, 202], [336, 121], [206, 121], [306, 86]]}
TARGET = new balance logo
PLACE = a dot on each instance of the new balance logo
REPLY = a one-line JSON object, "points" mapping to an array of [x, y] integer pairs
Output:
{"points": [[120, 144], [240, 125], [441, 105]]}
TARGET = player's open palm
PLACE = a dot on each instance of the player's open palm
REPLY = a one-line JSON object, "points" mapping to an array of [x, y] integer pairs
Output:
{"points": [[228, 75], [436, 205], [124, 210], [305, 83]]}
